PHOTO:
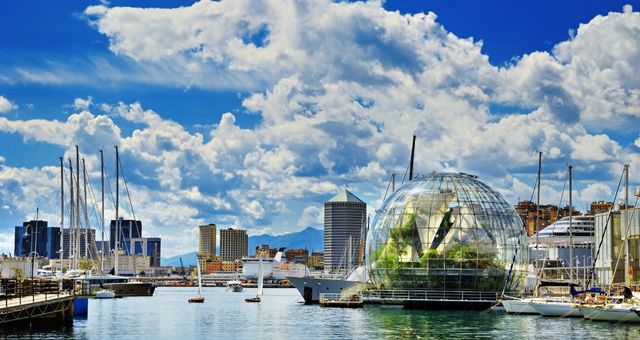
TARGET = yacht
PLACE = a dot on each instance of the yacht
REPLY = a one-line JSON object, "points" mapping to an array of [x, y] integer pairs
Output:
{"points": [[120, 285], [556, 306], [235, 286]]}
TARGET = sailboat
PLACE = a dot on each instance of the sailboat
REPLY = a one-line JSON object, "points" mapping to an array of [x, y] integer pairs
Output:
{"points": [[561, 306], [258, 297], [199, 298]]}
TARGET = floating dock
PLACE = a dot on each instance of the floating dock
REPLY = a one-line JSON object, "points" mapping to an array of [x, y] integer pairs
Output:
{"points": [[35, 301], [341, 300]]}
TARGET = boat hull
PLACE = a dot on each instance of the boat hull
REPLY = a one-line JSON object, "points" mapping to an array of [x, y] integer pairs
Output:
{"points": [[198, 299], [131, 288], [614, 313], [556, 309], [310, 288], [518, 306]]}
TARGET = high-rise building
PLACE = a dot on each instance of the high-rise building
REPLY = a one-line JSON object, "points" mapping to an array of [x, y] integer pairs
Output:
{"points": [[147, 246], [233, 244], [66, 239], [344, 220], [37, 236], [128, 229], [207, 244]]}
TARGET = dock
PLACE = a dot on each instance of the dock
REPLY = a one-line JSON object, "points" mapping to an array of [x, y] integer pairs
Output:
{"points": [[36, 301], [341, 301]]}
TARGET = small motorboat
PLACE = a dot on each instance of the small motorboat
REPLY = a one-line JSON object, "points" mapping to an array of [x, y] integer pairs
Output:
{"points": [[105, 294], [253, 299]]}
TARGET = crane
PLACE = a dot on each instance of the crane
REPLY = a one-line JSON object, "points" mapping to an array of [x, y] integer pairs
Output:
{"points": [[184, 276]]}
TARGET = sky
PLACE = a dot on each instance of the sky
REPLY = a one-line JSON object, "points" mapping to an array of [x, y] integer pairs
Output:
{"points": [[252, 113]]}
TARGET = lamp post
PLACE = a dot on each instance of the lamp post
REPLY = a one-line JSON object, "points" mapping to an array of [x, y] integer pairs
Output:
{"points": [[33, 253]]}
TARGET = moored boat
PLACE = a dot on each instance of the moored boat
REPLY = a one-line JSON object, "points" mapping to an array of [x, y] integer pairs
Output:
{"points": [[558, 307]]}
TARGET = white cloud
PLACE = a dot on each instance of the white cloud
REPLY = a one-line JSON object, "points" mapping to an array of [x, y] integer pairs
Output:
{"points": [[312, 216], [6, 105], [82, 104]]}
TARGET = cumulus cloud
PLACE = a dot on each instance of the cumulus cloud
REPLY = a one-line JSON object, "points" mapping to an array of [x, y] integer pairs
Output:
{"points": [[6, 105], [339, 88]]}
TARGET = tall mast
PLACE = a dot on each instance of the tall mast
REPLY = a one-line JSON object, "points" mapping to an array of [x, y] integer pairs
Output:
{"points": [[77, 245], [102, 215], [624, 220], [570, 224], [86, 213], [61, 213], [393, 182], [71, 221], [117, 245], [413, 149], [538, 200]]}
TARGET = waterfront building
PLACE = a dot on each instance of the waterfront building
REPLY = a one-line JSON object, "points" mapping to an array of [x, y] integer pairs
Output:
{"points": [[548, 214], [147, 246], [84, 250], [38, 237], [450, 234], [316, 260], [265, 250], [129, 265], [344, 220], [297, 255], [128, 229], [613, 230], [600, 207], [230, 266], [207, 240], [233, 244], [213, 265]]}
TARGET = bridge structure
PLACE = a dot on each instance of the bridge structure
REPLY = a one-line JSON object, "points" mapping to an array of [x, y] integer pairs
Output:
{"points": [[36, 301]]}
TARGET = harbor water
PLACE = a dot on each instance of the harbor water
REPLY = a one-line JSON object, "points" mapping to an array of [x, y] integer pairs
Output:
{"points": [[280, 315]]}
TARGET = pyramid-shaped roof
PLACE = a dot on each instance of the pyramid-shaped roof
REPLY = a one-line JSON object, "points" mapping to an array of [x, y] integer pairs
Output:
{"points": [[345, 196]]}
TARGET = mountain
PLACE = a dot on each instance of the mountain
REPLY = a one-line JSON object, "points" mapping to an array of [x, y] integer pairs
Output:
{"points": [[189, 259], [310, 238]]}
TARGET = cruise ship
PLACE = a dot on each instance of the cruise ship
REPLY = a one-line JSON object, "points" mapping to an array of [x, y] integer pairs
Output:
{"points": [[557, 240]]}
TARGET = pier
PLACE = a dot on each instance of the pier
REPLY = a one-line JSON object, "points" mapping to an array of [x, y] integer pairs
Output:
{"points": [[36, 301]]}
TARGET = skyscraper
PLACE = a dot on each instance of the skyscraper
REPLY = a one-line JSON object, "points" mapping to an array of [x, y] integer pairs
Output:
{"points": [[344, 218], [128, 229], [233, 244], [38, 237], [207, 244]]}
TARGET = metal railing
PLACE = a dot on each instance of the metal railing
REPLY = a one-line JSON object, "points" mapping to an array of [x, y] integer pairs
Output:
{"points": [[27, 290], [430, 295]]}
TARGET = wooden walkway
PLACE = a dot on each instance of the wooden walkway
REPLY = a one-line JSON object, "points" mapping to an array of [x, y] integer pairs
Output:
{"points": [[35, 300]]}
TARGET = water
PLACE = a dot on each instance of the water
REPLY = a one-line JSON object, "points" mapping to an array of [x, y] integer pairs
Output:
{"points": [[225, 315]]}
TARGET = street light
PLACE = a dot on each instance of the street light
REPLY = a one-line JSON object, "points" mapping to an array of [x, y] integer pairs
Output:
{"points": [[33, 253]]}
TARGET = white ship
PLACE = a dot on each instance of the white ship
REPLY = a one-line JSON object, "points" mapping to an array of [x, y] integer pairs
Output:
{"points": [[310, 287]]}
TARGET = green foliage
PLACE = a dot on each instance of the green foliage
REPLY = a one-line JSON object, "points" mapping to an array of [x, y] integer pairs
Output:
{"points": [[87, 264]]}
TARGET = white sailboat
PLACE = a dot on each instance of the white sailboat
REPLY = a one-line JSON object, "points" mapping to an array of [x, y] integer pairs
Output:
{"points": [[199, 298], [258, 297]]}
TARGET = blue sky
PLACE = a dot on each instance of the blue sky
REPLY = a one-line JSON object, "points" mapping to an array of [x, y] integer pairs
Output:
{"points": [[253, 113]]}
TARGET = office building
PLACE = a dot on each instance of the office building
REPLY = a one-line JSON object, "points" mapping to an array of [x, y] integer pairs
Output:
{"points": [[84, 250], [37, 236], [344, 221], [128, 229], [207, 244], [233, 244]]}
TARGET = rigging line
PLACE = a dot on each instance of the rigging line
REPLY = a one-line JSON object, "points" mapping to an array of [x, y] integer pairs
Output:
{"points": [[604, 230], [546, 255], [387, 190], [626, 235], [129, 197], [405, 175]]}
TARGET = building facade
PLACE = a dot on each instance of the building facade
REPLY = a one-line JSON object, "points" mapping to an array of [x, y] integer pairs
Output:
{"points": [[344, 221], [85, 251], [128, 229], [207, 241], [234, 244], [37, 236]]}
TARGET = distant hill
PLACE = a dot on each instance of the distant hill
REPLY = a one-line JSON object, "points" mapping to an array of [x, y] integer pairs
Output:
{"points": [[310, 238], [189, 259]]}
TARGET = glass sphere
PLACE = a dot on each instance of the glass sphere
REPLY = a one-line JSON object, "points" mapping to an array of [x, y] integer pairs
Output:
{"points": [[446, 231]]}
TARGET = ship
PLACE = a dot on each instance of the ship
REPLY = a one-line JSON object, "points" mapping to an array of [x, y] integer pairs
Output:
{"points": [[310, 287]]}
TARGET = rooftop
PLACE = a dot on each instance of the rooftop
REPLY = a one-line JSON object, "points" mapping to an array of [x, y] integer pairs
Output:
{"points": [[345, 196]]}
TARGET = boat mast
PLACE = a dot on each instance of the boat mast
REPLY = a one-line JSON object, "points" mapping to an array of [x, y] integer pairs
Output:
{"points": [[102, 215], [413, 149], [627, 277], [77, 245], [61, 213], [71, 221], [86, 213], [117, 232], [570, 224], [538, 200]]}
